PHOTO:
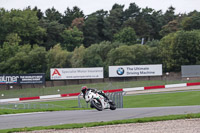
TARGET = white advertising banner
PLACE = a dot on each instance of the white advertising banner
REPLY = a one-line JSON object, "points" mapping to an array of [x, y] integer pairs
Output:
{"points": [[76, 73], [135, 70]]}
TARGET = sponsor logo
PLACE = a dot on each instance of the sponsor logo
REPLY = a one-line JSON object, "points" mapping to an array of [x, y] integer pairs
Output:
{"points": [[8, 79], [56, 72], [120, 71]]}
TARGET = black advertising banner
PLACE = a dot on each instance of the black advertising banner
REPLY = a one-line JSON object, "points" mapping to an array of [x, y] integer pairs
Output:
{"points": [[22, 79]]}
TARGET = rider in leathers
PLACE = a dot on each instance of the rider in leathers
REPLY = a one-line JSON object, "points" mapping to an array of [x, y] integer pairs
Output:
{"points": [[85, 89]]}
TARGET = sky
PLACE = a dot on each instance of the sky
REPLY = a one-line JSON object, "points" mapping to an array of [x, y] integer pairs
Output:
{"points": [[90, 6]]}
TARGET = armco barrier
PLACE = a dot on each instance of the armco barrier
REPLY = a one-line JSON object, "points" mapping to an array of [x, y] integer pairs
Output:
{"points": [[161, 86], [50, 96], [105, 91]]}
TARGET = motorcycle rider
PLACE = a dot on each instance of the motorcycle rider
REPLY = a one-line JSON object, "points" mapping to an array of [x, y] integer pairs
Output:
{"points": [[85, 89]]}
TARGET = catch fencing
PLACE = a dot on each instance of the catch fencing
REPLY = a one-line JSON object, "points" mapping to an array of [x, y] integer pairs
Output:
{"points": [[116, 97]]}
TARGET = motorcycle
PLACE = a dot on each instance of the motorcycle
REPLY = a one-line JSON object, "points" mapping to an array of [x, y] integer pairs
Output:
{"points": [[98, 101]]}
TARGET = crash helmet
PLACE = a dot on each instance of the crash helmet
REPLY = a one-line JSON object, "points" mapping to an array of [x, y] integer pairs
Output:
{"points": [[84, 88]]}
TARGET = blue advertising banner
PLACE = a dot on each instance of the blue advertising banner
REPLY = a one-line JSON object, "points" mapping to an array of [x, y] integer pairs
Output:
{"points": [[22, 79]]}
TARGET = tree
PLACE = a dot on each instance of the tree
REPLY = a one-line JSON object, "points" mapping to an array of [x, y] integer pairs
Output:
{"points": [[92, 58], [169, 15], [122, 55], [10, 46], [79, 23], [132, 12], [53, 33], [37, 60], [53, 15], [40, 14], [25, 23], [180, 48], [78, 56], [172, 26], [114, 21], [70, 15], [72, 38], [95, 28], [192, 22], [58, 58], [4, 26], [90, 31], [126, 35], [25, 60]]}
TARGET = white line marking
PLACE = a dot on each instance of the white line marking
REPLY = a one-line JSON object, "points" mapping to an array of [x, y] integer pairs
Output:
{"points": [[22, 114]]}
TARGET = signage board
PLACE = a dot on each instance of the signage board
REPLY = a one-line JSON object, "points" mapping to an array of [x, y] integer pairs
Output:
{"points": [[76, 73], [22, 78], [135, 70], [190, 70]]}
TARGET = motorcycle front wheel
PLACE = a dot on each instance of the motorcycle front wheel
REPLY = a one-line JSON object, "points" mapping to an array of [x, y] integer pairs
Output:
{"points": [[112, 106], [97, 104]]}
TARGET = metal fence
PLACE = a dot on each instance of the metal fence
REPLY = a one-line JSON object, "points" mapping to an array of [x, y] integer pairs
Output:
{"points": [[27, 106], [116, 97]]}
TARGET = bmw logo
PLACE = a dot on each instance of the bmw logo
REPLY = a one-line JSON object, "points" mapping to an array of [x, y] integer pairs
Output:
{"points": [[120, 71]]}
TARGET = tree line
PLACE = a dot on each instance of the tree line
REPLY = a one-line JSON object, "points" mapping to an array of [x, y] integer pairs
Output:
{"points": [[33, 42]]}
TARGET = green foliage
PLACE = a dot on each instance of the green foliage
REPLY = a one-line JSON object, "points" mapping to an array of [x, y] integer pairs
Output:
{"points": [[169, 15], [133, 55], [97, 54], [77, 57], [52, 14], [115, 20], [25, 23], [132, 12], [53, 33], [180, 48], [191, 22], [29, 28], [126, 35], [70, 15], [90, 31], [25, 60], [92, 57], [122, 55], [72, 38], [58, 58], [172, 26]]}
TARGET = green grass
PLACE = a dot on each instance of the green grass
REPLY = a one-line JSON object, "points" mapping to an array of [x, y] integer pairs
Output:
{"points": [[53, 106], [164, 99], [150, 100], [93, 124], [135, 101], [29, 92]]}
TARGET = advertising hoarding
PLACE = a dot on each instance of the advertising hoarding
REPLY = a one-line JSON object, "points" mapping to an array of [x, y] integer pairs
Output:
{"points": [[190, 71], [135, 70], [22, 79], [76, 73]]}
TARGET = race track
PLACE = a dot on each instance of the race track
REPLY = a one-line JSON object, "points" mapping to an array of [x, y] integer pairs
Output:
{"points": [[83, 116]]}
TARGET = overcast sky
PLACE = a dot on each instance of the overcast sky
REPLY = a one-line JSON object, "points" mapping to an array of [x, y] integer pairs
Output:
{"points": [[90, 6]]}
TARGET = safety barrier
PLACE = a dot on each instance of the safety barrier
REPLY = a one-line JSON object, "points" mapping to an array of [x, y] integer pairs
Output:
{"points": [[105, 91]]}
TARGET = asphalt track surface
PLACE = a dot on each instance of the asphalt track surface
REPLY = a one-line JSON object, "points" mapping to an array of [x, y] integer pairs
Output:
{"points": [[84, 116]]}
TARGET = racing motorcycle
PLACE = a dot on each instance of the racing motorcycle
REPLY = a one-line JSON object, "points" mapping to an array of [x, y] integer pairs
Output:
{"points": [[98, 101]]}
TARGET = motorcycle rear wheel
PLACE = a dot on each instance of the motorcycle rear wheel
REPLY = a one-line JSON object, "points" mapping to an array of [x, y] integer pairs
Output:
{"points": [[97, 104]]}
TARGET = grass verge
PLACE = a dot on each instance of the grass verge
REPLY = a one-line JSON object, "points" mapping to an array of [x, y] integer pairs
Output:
{"points": [[30, 92], [93, 124], [150, 100]]}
